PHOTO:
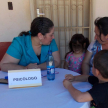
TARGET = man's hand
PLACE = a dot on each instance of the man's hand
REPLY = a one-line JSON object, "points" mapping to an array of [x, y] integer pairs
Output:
{"points": [[66, 83]]}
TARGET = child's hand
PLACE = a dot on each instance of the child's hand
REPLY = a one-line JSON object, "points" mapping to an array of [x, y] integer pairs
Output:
{"points": [[69, 77], [66, 83]]}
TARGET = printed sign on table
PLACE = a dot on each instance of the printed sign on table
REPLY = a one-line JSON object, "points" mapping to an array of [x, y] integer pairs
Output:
{"points": [[24, 78]]}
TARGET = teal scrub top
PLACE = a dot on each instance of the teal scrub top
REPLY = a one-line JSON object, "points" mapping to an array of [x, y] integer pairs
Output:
{"points": [[21, 48]]}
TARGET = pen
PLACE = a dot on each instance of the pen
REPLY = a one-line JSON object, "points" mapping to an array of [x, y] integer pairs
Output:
{"points": [[6, 77]]}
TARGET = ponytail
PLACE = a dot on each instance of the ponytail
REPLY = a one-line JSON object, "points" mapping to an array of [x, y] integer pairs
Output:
{"points": [[24, 33]]}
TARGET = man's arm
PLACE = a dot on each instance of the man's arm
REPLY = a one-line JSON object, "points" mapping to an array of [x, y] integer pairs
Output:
{"points": [[76, 94]]}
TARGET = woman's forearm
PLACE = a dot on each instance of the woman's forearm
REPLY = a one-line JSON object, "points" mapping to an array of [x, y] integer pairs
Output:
{"points": [[82, 78], [85, 63], [43, 66], [10, 66], [57, 64], [85, 69]]}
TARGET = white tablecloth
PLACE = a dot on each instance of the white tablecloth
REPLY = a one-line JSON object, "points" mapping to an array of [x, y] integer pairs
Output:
{"points": [[51, 94]]}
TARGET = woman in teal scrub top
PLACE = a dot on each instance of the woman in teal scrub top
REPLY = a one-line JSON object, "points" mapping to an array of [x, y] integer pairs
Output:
{"points": [[30, 49]]}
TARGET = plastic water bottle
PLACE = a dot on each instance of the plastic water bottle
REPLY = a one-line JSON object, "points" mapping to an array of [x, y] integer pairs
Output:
{"points": [[50, 66]]}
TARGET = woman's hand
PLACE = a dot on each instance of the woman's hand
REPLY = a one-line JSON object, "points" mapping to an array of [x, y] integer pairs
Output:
{"points": [[66, 83], [32, 66], [69, 77]]}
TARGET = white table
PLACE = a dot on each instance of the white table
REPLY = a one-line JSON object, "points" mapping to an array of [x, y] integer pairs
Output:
{"points": [[51, 94]]}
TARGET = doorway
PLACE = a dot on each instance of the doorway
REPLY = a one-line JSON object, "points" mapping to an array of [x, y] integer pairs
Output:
{"points": [[69, 17]]}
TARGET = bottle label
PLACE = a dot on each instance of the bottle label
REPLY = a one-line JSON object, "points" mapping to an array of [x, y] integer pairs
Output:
{"points": [[50, 70], [50, 63]]}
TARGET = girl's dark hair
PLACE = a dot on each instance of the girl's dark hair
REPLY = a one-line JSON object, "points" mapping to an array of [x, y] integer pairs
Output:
{"points": [[81, 39], [39, 25], [102, 24], [101, 62]]}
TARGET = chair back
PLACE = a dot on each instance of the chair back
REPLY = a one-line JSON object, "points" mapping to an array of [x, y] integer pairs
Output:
{"points": [[3, 48]]}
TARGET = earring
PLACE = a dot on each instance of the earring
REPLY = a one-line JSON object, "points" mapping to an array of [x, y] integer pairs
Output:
{"points": [[40, 43]]}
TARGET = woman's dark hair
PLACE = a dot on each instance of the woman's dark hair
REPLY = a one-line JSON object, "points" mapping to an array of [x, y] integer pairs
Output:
{"points": [[101, 62], [78, 38], [39, 25], [102, 24]]}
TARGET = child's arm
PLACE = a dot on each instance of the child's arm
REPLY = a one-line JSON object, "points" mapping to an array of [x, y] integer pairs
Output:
{"points": [[76, 94], [65, 65], [71, 78]]}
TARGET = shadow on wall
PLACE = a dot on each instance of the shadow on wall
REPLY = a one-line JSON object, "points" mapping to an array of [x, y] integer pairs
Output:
{"points": [[3, 48]]}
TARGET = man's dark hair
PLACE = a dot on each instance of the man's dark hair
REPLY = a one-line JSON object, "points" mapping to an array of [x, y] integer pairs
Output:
{"points": [[101, 63]]}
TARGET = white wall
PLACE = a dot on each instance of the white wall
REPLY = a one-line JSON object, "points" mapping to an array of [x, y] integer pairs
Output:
{"points": [[100, 9], [12, 22]]}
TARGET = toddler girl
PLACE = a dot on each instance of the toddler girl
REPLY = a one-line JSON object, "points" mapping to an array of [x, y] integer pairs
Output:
{"points": [[75, 56]]}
